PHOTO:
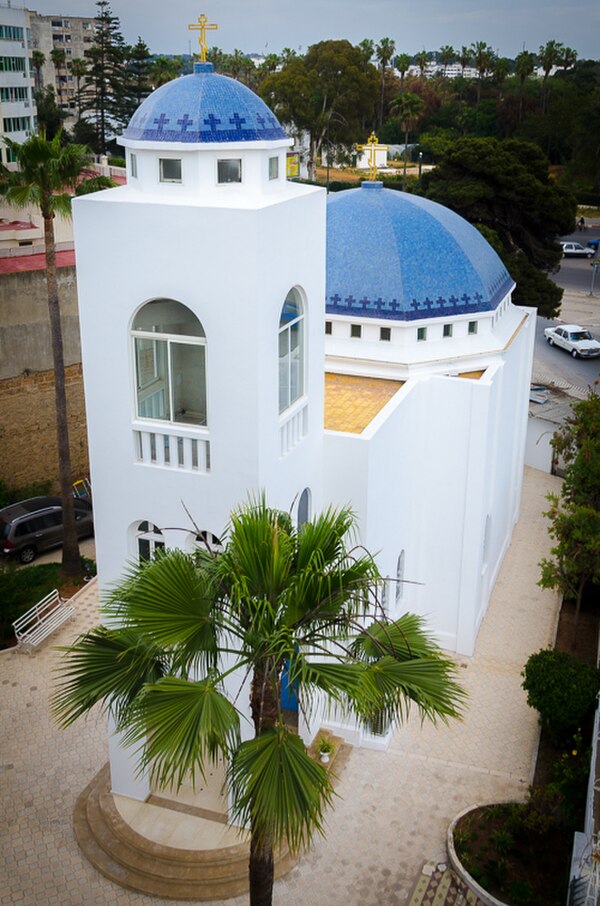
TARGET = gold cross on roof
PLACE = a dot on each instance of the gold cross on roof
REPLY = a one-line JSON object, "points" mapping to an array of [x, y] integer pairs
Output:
{"points": [[372, 146], [202, 27]]}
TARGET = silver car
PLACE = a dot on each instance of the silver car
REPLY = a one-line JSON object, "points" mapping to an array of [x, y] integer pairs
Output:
{"points": [[31, 526], [576, 250]]}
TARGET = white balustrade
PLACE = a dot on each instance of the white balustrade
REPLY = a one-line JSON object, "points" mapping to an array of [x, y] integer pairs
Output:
{"points": [[172, 448], [292, 429]]}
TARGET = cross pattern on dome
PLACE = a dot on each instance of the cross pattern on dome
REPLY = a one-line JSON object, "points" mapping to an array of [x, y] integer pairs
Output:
{"points": [[237, 120], [162, 121], [392, 309], [212, 122], [185, 122]]}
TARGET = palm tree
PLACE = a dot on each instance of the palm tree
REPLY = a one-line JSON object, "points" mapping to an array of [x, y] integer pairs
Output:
{"points": [[483, 56], [47, 177], [37, 61], [408, 107], [402, 62], [447, 54], [550, 55], [367, 46], [464, 58], [384, 52], [421, 59], [524, 66], [275, 599], [79, 71], [163, 70]]}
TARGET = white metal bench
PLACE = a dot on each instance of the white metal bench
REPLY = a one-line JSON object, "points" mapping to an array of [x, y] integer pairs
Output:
{"points": [[40, 621]]}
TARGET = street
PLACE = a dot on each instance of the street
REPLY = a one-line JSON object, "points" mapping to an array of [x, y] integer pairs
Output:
{"points": [[557, 362], [576, 273]]}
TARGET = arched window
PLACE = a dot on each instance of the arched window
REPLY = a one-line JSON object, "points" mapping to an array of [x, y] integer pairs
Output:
{"points": [[291, 350], [170, 363], [149, 539], [400, 577], [304, 507]]}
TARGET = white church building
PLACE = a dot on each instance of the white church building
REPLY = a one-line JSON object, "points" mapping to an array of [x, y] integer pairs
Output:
{"points": [[241, 332]]}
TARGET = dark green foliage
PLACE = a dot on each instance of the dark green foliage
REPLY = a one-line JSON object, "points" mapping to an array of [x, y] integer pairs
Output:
{"points": [[570, 778], [20, 589], [14, 494], [50, 115], [505, 186], [563, 689], [104, 82]]}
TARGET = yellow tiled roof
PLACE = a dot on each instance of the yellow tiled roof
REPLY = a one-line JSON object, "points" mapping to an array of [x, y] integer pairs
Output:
{"points": [[351, 402]]}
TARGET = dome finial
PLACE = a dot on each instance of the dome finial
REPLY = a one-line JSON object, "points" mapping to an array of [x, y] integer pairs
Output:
{"points": [[372, 147], [202, 27]]}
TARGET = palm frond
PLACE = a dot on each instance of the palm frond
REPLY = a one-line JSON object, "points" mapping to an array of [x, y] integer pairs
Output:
{"points": [[181, 726], [104, 665], [279, 789], [429, 683], [404, 639], [172, 603]]}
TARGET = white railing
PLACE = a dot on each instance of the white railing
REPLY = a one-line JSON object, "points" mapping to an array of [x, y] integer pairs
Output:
{"points": [[172, 448], [292, 428]]}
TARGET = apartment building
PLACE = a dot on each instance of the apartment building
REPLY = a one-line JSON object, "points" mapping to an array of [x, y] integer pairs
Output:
{"points": [[17, 107], [74, 35]]}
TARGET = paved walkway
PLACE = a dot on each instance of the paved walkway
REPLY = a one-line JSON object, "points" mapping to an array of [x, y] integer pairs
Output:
{"points": [[393, 808]]}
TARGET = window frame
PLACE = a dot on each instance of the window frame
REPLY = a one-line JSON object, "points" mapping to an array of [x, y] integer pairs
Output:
{"points": [[473, 328], [388, 334], [287, 329], [229, 182], [447, 331], [274, 160], [356, 331], [421, 334], [166, 180]]}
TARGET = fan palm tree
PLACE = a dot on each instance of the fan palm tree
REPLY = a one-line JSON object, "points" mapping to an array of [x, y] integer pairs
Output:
{"points": [[446, 55], [276, 598], [524, 66], [402, 62], [483, 56], [384, 52], [48, 175], [550, 55], [421, 59], [37, 61], [408, 107]]}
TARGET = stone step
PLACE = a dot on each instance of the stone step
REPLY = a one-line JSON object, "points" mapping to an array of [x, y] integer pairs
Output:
{"points": [[131, 860]]}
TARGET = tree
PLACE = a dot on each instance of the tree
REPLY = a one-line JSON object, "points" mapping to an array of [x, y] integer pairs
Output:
{"points": [[276, 599], [165, 69], [402, 62], [446, 55], [483, 56], [384, 52], [524, 66], [136, 84], [367, 46], [47, 176], [505, 186], [50, 115], [575, 558], [37, 61], [79, 72], [408, 107], [421, 59], [104, 80], [550, 55], [328, 93], [578, 443], [464, 58]]}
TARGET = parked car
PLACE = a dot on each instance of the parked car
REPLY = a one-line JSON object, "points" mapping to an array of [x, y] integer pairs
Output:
{"points": [[32, 526], [576, 250], [575, 339]]}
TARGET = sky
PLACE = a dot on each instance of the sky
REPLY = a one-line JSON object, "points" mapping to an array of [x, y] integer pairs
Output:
{"points": [[270, 25]]}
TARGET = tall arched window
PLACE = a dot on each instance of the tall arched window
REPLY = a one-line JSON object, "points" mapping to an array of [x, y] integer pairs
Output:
{"points": [[149, 538], [170, 363], [304, 507], [291, 350]]}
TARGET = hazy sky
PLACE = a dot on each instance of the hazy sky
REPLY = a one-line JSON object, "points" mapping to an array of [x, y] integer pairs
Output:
{"points": [[259, 25]]}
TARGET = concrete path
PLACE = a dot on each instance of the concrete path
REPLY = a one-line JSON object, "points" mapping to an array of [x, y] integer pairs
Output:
{"points": [[393, 808]]}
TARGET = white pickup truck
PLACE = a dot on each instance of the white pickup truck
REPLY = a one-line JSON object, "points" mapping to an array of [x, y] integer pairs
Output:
{"points": [[575, 339]]}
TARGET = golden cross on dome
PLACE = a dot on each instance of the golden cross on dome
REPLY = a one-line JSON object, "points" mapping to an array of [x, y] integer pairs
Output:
{"points": [[372, 147], [202, 27]]}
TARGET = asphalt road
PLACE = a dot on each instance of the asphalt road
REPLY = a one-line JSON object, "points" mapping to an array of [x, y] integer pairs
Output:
{"points": [[576, 273], [558, 362]]}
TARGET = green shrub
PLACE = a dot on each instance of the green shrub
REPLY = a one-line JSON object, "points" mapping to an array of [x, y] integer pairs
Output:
{"points": [[563, 689], [10, 495], [116, 161], [20, 589], [519, 893], [503, 841]]}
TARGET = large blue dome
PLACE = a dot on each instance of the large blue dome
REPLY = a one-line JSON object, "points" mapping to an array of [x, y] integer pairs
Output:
{"points": [[203, 107], [401, 257]]}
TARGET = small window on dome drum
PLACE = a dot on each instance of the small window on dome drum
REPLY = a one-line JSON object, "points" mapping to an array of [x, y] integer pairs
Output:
{"points": [[229, 171], [273, 168], [328, 327], [447, 330], [385, 333], [133, 165], [170, 169], [472, 327], [421, 333], [356, 331]]}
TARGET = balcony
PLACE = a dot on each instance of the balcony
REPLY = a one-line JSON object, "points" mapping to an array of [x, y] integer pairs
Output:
{"points": [[172, 447]]}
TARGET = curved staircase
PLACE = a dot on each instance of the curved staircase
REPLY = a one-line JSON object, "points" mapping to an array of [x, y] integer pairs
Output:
{"points": [[135, 862]]}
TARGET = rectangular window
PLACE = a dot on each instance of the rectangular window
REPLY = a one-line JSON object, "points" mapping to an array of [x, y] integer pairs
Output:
{"points": [[133, 165], [473, 326], [11, 33], [447, 330], [273, 168], [328, 327], [170, 170], [229, 171], [421, 333], [12, 64], [356, 331], [385, 333]]}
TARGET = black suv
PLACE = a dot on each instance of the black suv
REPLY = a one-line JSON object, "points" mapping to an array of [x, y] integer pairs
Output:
{"points": [[32, 526]]}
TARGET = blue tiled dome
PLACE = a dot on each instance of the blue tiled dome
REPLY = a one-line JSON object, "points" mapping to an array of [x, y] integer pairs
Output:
{"points": [[402, 257], [203, 107]]}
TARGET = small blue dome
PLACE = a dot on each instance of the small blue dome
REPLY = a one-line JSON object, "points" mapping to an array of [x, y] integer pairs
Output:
{"points": [[203, 107], [401, 257]]}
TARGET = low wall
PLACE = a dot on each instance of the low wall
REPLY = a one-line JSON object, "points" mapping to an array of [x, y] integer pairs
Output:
{"points": [[28, 427]]}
